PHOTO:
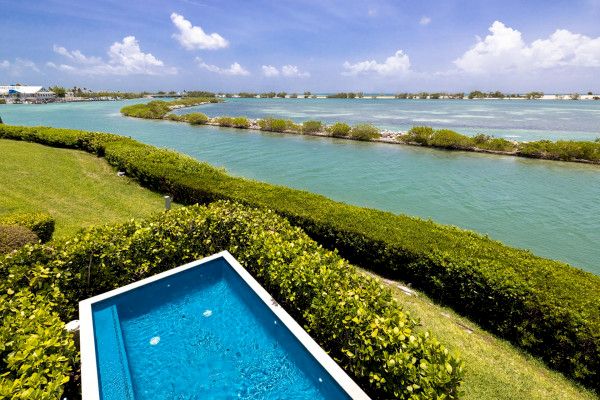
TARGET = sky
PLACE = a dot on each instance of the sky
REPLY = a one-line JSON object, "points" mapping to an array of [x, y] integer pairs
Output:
{"points": [[303, 45]]}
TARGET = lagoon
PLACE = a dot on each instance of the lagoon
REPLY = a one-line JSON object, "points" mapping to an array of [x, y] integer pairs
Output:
{"points": [[551, 208]]}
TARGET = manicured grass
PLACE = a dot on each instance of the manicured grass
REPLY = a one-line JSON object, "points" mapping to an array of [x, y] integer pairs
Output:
{"points": [[494, 369], [76, 188]]}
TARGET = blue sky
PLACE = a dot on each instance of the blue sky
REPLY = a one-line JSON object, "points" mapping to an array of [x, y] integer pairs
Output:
{"points": [[321, 46]]}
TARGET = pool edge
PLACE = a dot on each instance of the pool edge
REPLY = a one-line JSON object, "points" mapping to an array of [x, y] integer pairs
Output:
{"points": [[89, 373]]}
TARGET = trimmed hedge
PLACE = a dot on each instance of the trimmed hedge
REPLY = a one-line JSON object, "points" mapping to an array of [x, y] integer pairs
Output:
{"points": [[39, 223], [547, 307], [13, 237], [350, 314]]}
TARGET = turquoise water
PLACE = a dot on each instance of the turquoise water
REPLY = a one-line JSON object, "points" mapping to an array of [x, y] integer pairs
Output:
{"points": [[551, 208], [202, 334], [520, 120]]}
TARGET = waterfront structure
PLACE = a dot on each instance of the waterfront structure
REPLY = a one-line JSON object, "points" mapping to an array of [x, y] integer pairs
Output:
{"points": [[26, 94]]}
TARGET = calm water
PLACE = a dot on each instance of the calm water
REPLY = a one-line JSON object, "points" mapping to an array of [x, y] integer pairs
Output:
{"points": [[549, 207], [202, 334], [513, 119]]}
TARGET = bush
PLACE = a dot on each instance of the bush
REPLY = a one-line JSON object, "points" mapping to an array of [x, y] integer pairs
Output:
{"points": [[418, 134], [153, 110], [241, 122], [273, 125], [312, 126], [564, 150], [175, 117], [39, 223], [195, 118], [445, 138], [339, 129], [224, 121], [13, 237], [293, 127], [546, 307], [491, 143], [364, 132], [348, 313]]}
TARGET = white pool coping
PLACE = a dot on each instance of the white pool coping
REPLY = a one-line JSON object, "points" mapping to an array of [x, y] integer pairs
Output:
{"points": [[90, 389]]}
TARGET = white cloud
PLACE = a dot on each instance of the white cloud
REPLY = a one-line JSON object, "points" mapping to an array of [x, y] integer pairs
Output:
{"points": [[289, 71], [234, 69], [270, 71], [18, 66], [193, 37], [504, 50], [124, 58], [76, 55], [293, 71], [425, 20], [399, 63]]}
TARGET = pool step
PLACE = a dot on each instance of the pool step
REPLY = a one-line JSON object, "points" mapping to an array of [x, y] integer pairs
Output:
{"points": [[115, 378]]}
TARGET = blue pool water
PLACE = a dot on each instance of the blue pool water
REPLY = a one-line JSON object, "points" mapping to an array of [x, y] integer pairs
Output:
{"points": [[201, 334]]}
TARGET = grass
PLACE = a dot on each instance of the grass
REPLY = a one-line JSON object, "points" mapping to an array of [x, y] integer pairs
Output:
{"points": [[494, 369], [76, 188]]}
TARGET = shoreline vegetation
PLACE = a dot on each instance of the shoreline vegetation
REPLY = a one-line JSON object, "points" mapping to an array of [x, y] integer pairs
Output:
{"points": [[547, 308], [445, 139]]}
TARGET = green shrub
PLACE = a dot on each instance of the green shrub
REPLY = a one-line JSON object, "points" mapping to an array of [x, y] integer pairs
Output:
{"points": [[312, 126], [546, 307], [195, 118], [364, 132], [272, 124], [175, 117], [153, 110], [39, 223], [158, 109], [13, 237], [224, 121], [564, 150], [241, 122], [445, 138], [418, 134], [348, 313], [293, 127], [491, 143], [339, 129]]}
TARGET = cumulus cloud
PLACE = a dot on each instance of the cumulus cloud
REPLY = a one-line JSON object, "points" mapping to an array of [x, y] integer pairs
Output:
{"points": [[293, 71], [504, 50], [76, 55], [193, 37], [425, 20], [269, 71], [289, 71], [234, 69], [399, 63], [124, 58]]}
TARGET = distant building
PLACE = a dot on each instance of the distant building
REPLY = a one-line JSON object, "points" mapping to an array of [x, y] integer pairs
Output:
{"points": [[26, 94]]}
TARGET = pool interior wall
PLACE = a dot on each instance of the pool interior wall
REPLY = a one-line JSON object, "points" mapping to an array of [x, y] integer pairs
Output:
{"points": [[201, 333]]}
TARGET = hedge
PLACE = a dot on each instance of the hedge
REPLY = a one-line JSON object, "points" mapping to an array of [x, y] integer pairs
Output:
{"points": [[40, 223], [350, 314], [13, 237], [546, 307]]}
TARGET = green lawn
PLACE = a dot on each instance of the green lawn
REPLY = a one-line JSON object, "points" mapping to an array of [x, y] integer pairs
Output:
{"points": [[494, 368], [76, 188]]}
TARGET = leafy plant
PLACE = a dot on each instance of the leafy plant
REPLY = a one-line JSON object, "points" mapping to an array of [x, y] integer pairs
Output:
{"points": [[312, 126], [339, 129], [364, 132], [39, 223], [196, 118]]}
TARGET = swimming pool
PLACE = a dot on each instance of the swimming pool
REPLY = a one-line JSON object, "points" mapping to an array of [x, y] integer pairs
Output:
{"points": [[205, 330]]}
